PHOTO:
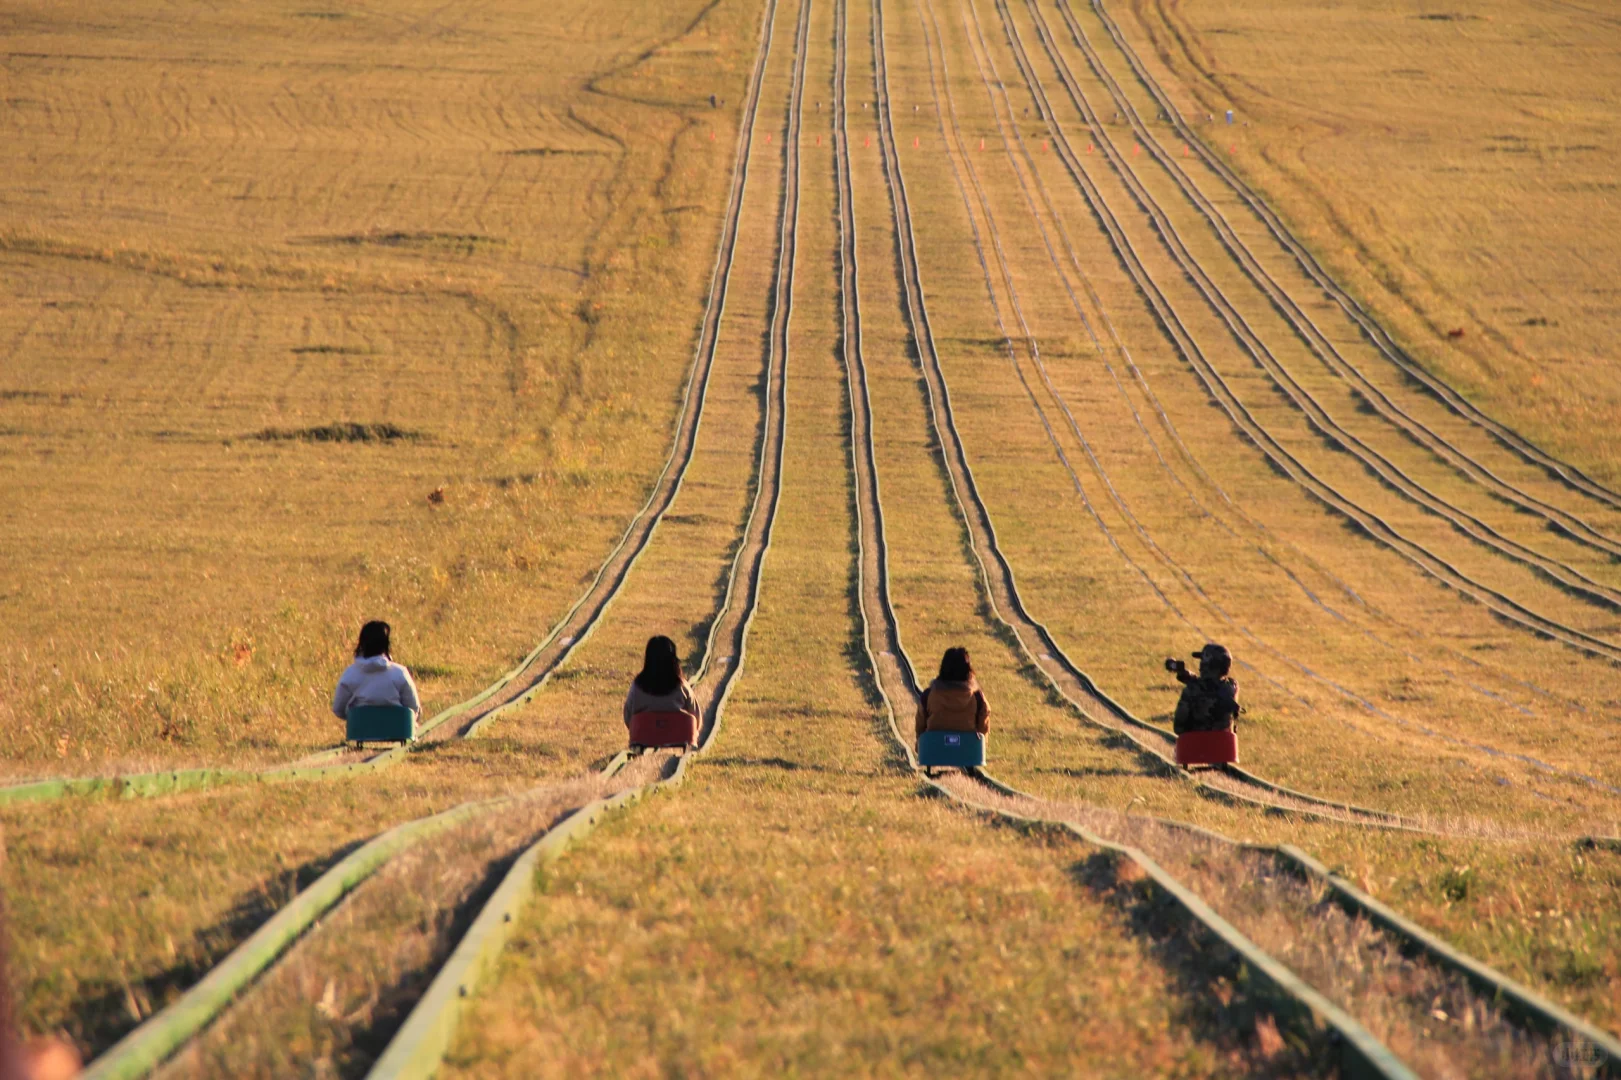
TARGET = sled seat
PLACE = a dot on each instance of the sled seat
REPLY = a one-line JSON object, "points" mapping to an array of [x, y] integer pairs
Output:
{"points": [[649, 729], [950, 750], [1207, 748], [379, 723]]}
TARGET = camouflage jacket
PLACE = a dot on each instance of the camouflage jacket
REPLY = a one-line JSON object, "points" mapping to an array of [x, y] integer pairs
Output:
{"points": [[1207, 705]]}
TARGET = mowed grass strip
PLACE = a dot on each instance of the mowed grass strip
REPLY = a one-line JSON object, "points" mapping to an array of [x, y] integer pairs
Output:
{"points": [[794, 907], [516, 283], [1432, 1020], [1090, 594], [1414, 490], [1359, 358], [115, 908], [331, 1004], [678, 585], [1406, 139], [1486, 895]]}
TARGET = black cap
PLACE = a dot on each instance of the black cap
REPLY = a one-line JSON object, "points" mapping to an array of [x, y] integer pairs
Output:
{"points": [[1211, 652]]}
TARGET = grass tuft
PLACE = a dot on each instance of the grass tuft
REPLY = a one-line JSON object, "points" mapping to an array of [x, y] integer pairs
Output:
{"points": [[340, 433]]}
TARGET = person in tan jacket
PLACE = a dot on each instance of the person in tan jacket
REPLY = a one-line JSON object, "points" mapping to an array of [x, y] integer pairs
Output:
{"points": [[954, 701]]}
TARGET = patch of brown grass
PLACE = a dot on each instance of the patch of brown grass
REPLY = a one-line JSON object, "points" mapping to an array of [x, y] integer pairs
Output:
{"points": [[1429, 1018], [332, 1003]]}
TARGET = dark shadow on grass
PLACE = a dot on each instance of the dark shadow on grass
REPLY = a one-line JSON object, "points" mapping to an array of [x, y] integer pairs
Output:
{"points": [[739, 760], [1078, 773], [368, 1039], [487, 748], [1214, 993], [101, 1014]]}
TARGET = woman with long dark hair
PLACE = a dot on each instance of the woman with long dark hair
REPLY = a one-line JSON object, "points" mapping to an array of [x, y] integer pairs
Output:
{"points": [[660, 686], [954, 701], [374, 678]]}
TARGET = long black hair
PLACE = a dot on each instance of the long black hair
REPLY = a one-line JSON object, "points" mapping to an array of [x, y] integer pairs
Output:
{"points": [[373, 640], [955, 666], [661, 667]]}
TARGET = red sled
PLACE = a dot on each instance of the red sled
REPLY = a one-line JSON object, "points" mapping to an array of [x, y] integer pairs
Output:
{"points": [[1207, 748], [649, 729]]}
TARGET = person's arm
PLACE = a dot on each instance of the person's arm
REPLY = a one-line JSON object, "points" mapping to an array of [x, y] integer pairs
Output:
{"points": [[408, 692], [1184, 676], [922, 724], [341, 697], [630, 701], [689, 703], [982, 714], [1235, 710]]}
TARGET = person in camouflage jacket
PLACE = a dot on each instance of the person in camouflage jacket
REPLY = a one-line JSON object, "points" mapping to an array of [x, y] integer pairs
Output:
{"points": [[1209, 700]]}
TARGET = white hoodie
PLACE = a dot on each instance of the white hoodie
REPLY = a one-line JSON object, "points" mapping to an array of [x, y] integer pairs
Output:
{"points": [[375, 680]]}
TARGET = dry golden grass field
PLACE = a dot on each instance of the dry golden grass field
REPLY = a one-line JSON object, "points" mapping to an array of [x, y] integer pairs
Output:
{"points": [[820, 335]]}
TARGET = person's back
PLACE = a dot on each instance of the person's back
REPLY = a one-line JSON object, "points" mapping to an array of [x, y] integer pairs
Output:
{"points": [[374, 678], [660, 686], [954, 701], [678, 700], [1209, 701], [1206, 704]]}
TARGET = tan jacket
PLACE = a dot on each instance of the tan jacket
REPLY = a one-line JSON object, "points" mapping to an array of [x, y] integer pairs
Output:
{"points": [[953, 706], [678, 700]]}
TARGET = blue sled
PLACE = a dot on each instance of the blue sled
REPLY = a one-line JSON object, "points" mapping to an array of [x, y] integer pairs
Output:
{"points": [[950, 750], [379, 723]]}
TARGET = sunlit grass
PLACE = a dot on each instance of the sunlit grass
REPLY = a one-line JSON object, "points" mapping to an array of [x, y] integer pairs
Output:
{"points": [[182, 589], [795, 907]]}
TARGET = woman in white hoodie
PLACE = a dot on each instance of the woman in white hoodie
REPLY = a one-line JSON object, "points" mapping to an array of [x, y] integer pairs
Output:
{"points": [[374, 678]]}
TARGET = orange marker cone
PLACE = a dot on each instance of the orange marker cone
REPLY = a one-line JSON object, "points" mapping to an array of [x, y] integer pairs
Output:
{"points": [[768, 136], [982, 144], [711, 136], [1044, 145], [914, 142], [1088, 148], [1135, 149], [867, 141], [1184, 149]]}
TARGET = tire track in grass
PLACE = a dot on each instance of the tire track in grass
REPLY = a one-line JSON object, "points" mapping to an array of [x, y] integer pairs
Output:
{"points": [[168, 1031], [892, 668], [1001, 588], [1312, 334], [531, 674], [1126, 358], [1391, 475], [893, 672], [990, 80], [1510, 611], [420, 1044], [1567, 474]]}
